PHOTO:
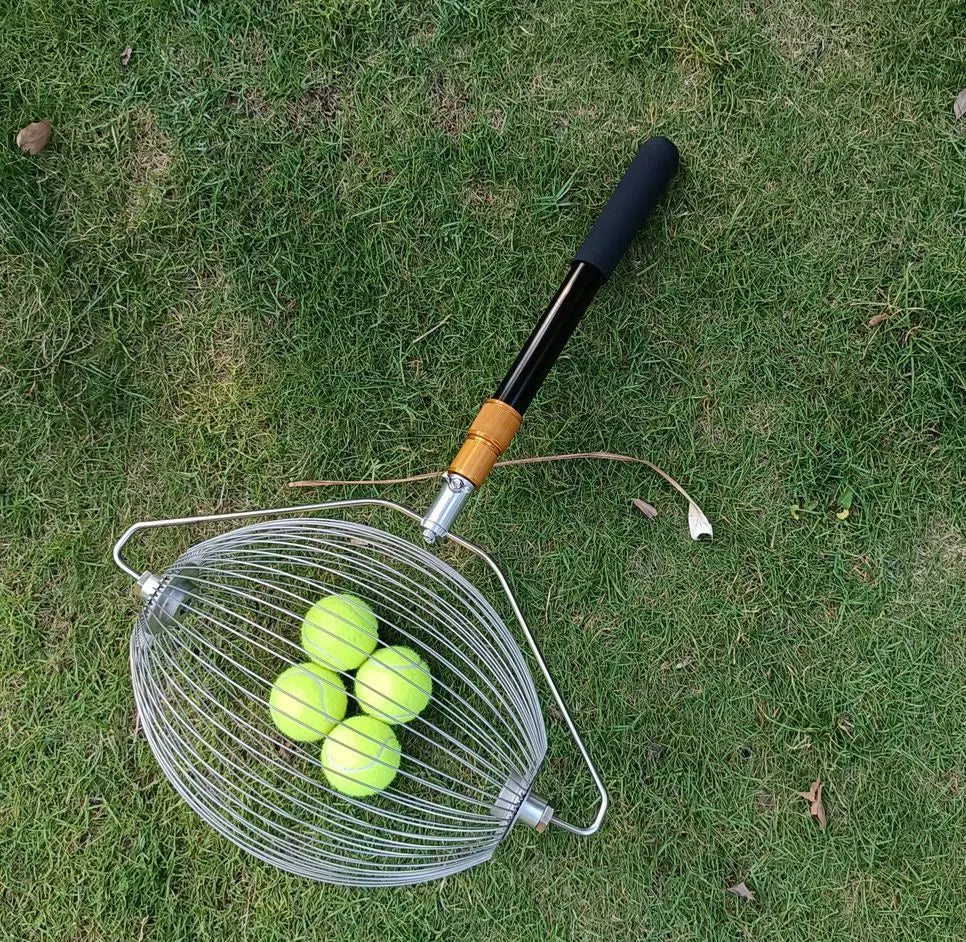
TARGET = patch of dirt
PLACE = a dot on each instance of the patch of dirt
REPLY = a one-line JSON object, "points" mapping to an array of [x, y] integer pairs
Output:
{"points": [[253, 49], [863, 570], [203, 286], [797, 37], [761, 418], [251, 104], [765, 802], [451, 112], [10, 687], [316, 106], [950, 544], [425, 34], [693, 71], [313, 107], [481, 194], [864, 893], [59, 644], [496, 119], [944, 546], [486, 196], [151, 151], [708, 424], [801, 38]]}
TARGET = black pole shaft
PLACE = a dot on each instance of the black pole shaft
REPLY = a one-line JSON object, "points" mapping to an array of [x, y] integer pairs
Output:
{"points": [[638, 192], [549, 337]]}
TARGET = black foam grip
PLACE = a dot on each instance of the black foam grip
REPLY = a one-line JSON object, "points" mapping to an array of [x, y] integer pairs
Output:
{"points": [[644, 183]]}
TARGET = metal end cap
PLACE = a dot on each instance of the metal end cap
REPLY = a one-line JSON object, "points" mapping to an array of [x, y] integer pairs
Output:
{"points": [[148, 584], [535, 812], [529, 809], [452, 495]]}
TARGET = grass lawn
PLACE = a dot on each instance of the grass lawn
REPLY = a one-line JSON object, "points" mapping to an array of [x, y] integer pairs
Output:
{"points": [[304, 239]]}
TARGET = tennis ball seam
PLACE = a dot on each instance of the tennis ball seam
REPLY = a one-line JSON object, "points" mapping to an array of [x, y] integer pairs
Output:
{"points": [[369, 742], [304, 704], [375, 760]]}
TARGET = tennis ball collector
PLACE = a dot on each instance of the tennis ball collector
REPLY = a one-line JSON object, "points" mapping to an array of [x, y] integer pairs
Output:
{"points": [[218, 624]]}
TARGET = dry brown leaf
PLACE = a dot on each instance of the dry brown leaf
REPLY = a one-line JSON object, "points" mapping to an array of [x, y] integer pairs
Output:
{"points": [[34, 137], [814, 798], [959, 105], [649, 510], [126, 56], [877, 319], [742, 891]]}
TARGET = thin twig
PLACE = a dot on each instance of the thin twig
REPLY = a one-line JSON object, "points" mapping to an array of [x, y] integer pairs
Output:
{"points": [[433, 329], [698, 523], [539, 459]]}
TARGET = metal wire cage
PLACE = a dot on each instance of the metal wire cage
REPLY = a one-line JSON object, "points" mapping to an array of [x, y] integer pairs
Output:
{"points": [[224, 621]]}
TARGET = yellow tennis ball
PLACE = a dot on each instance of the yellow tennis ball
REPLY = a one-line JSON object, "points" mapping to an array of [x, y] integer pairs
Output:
{"points": [[340, 631], [306, 701], [394, 685], [360, 756]]}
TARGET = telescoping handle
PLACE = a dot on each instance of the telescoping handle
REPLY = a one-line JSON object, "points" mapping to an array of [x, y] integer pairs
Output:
{"points": [[491, 432]]}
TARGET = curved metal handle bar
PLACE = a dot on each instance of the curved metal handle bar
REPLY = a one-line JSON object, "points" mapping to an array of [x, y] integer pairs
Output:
{"points": [[246, 515], [591, 828], [594, 826]]}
